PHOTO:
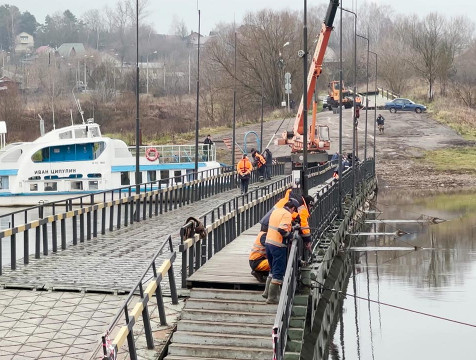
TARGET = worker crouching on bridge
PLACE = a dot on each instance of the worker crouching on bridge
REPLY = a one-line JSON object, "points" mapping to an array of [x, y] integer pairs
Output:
{"points": [[258, 262], [277, 238]]}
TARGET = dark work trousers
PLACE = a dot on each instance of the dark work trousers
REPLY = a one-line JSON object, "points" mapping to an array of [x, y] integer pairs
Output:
{"points": [[244, 185], [261, 171], [267, 170], [277, 261]]}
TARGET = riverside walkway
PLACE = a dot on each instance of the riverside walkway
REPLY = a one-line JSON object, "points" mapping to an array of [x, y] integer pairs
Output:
{"points": [[58, 306]]}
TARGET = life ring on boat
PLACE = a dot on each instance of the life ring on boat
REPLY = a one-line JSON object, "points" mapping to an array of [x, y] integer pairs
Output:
{"points": [[151, 153]]}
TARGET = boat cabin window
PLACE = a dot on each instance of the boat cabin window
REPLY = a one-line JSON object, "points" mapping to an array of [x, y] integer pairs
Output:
{"points": [[151, 176], [94, 131], [33, 187], [80, 133], [96, 175], [34, 178], [51, 186], [190, 174], [73, 152], [4, 183], [178, 176], [66, 135], [164, 174], [93, 185], [125, 178], [77, 185]]}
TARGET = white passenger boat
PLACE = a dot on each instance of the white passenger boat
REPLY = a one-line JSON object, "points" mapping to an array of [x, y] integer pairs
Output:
{"points": [[77, 160]]}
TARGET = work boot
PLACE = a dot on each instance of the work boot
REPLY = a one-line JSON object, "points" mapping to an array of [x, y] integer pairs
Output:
{"points": [[259, 276], [266, 288], [273, 294]]}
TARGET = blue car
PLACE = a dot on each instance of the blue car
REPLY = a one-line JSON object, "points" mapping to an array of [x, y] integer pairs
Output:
{"points": [[404, 105]]}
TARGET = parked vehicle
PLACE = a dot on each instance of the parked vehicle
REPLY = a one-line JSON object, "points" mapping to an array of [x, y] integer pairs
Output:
{"points": [[404, 105]]}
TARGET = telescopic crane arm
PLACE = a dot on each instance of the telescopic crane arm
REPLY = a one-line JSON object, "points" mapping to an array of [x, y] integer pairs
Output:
{"points": [[316, 63], [314, 72]]}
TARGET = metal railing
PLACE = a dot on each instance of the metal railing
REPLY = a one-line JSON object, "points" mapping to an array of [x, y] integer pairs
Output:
{"points": [[141, 309], [122, 208], [286, 299], [322, 215], [178, 153], [316, 175], [388, 93], [225, 223]]}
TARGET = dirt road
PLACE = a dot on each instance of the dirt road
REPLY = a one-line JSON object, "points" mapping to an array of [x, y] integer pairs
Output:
{"points": [[399, 151]]}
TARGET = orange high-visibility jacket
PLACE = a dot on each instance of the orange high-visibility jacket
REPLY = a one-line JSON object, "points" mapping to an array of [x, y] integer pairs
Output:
{"points": [[244, 166], [260, 160], [258, 251], [304, 215], [279, 227]]}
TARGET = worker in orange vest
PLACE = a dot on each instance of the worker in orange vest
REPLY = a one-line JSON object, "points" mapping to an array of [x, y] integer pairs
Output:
{"points": [[258, 261], [277, 237], [244, 169], [306, 202], [260, 162]]}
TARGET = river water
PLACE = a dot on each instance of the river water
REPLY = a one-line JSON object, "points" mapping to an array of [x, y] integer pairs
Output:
{"points": [[438, 278]]}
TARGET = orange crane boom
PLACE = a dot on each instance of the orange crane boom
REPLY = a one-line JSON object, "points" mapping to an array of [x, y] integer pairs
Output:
{"points": [[318, 141]]}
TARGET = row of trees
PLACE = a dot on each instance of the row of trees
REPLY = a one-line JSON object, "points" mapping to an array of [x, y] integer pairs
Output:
{"points": [[433, 51], [411, 50]]}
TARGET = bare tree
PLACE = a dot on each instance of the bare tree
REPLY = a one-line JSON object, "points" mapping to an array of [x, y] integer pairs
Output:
{"points": [[456, 38], [178, 28], [425, 40], [94, 22], [463, 85]]}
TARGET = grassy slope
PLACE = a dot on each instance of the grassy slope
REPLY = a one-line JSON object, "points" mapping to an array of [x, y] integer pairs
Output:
{"points": [[463, 120]]}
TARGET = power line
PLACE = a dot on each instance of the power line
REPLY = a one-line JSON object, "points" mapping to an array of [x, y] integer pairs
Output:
{"points": [[398, 307]]}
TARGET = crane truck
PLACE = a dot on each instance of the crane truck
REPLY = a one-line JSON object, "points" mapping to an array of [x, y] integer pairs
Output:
{"points": [[318, 142], [347, 96]]}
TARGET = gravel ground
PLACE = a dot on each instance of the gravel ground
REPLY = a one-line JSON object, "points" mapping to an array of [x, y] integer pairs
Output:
{"points": [[399, 151]]}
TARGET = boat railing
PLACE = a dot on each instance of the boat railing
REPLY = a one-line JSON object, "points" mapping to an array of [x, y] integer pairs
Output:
{"points": [[177, 153], [45, 208]]}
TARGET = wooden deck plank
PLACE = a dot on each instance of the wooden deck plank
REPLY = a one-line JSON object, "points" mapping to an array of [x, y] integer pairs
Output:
{"points": [[230, 265]]}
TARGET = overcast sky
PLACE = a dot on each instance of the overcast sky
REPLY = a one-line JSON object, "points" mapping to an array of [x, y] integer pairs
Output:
{"points": [[161, 12]]}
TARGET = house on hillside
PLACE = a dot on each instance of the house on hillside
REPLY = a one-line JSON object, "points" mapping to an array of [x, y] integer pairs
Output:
{"points": [[24, 42], [67, 50], [192, 39], [45, 49]]}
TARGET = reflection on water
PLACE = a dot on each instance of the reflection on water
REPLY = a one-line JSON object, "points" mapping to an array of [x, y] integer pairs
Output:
{"points": [[438, 277]]}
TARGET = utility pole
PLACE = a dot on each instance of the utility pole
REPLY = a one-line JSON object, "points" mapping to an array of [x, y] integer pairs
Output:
{"points": [[234, 112], [137, 172], [305, 71], [375, 110], [366, 96], [341, 213], [198, 99], [262, 119], [354, 119]]}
